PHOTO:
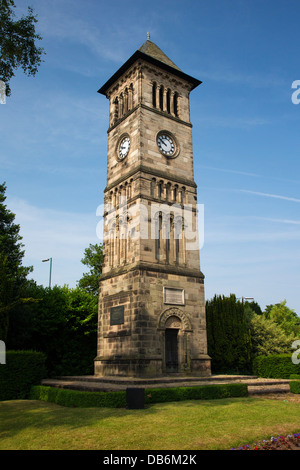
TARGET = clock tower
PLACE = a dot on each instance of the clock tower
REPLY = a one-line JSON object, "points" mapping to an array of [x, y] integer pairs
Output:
{"points": [[151, 298]]}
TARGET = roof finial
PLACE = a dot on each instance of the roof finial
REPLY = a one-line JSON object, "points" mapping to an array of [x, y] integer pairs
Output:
{"points": [[148, 36]]}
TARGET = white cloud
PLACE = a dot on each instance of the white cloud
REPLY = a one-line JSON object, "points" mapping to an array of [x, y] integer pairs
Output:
{"points": [[64, 22], [232, 235], [57, 234], [276, 196], [225, 170], [280, 221], [255, 80]]}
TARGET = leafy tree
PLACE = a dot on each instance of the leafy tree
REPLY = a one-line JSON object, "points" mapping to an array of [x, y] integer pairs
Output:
{"points": [[286, 318], [17, 43], [268, 337], [93, 258], [62, 324], [13, 275], [254, 306], [268, 309]]}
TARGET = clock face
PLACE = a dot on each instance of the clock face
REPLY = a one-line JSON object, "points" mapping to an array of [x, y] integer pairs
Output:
{"points": [[124, 147], [166, 145]]}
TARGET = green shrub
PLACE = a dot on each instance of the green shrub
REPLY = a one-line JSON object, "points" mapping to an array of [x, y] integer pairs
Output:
{"points": [[275, 366], [295, 387], [203, 392], [22, 370], [294, 376], [75, 398]]}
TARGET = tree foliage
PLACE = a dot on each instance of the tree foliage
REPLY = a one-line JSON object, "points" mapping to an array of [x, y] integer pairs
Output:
{"points": [[285, 317], [93, 258], [10, 240], [62, 323], [256, 333], [268, 338], [18, 40], [13, 275], [228, 335]]}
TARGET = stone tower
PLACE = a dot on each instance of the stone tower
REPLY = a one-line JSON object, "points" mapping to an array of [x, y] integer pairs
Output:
{"points": [[151, 298]]}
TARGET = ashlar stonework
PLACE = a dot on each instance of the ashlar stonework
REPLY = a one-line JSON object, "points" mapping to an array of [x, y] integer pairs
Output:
{"points": [[151, 298]]}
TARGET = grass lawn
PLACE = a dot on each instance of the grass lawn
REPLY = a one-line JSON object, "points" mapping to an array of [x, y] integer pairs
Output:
{"points": [[188, 425]]}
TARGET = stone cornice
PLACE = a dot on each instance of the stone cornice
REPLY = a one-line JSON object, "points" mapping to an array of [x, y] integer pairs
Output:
{"points": [[153, 172], [157, 268], [149, 108]]}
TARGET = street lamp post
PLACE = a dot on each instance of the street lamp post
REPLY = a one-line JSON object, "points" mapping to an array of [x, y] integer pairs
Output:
{"points": [[49, 259]]}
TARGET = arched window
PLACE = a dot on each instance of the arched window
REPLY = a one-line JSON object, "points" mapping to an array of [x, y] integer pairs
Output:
{"points": [[175, 192], [116, 109], [154, 88], [126, 101], [175, 104], [178, 236], [158, 234], [160, 189], [182, 198], [168, 191], [152, 187], [168, 101], [161, 98], [121, 105], [167, 235], [116, 202]]}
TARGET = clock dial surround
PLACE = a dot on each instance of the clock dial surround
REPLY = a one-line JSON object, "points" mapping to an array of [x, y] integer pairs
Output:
{"points": [[167, 144], [123, 147]]}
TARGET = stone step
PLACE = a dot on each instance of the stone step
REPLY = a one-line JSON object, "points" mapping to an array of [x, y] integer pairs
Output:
{"points": [[155, 380], [267, 388], [92, 384]]}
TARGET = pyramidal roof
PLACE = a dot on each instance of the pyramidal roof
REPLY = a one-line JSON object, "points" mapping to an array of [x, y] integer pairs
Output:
{"points": [[152, 54], [154, 51]]}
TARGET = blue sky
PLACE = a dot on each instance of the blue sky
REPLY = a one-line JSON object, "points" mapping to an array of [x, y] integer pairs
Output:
{"points": [[53, 135]]}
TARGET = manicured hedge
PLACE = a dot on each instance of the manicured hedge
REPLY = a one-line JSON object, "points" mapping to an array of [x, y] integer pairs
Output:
{"points": [[295, 386], [204, 392], [276, 366], [22, 370], [74, 398]]}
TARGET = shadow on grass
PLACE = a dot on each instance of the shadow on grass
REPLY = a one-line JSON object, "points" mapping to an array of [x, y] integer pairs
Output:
{"points": [[18, 415], [193, 424]]}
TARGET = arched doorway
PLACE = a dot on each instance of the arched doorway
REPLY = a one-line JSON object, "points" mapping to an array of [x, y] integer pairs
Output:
{"points": [[175, 327], [172, 328], [171, 350]]}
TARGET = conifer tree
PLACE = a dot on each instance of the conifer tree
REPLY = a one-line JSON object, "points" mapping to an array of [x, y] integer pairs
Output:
{"points": [[228, 335], [13, 275]]}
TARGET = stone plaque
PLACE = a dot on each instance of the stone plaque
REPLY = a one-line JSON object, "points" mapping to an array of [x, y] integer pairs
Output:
{"points": [[117, 315], [173, 296]]}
